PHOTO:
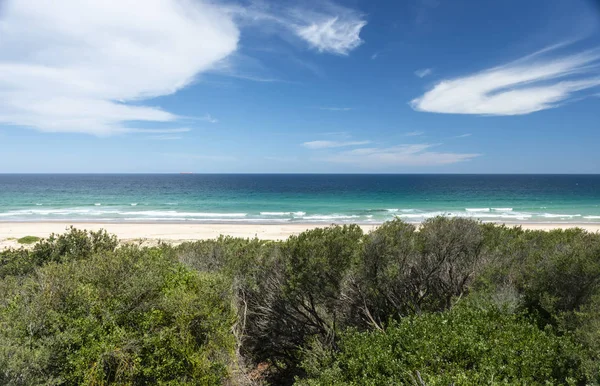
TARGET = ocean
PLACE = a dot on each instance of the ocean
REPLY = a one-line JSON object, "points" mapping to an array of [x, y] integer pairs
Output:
{"points": [[298, 198]]}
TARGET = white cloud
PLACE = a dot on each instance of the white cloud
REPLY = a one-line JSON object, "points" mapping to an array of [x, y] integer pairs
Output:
{"points": [[414, 133], [423, 72], [324, 25], [88, 66], [530, 84], [377, 157], [333, 35], [400, 155], [241, 66], [463, 135], [85, 65], [330, 144]]}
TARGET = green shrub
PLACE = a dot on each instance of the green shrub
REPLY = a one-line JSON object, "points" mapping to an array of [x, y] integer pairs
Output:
{"points": [[75, 244], [455, 301], [15, 262], [236, 257], [297, 296], [28, 240], [401, 271], [555, 271], [464, 346], [563, 275], [127, 317]]}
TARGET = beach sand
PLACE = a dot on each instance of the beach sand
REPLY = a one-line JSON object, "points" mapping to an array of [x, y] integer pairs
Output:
{"points": [[177, 233]]}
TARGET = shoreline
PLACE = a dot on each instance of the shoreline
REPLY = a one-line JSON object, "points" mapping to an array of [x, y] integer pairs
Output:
{"points": [[180, 232], [310, 224]]}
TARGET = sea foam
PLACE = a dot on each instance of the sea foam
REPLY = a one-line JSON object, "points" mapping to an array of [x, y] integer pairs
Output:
{"points": [[329, 217], [477, 209], [553, 215], [282, 213], [173, 213]]}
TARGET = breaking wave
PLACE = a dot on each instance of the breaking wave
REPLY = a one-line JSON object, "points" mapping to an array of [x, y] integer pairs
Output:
{"points": [[129, 212]]}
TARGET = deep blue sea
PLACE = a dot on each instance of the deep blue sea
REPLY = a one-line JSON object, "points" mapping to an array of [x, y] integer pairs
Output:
{"points": [[297, 198]]}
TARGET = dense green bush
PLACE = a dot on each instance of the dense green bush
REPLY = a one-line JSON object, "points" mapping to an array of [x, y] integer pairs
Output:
{"points": [[556, 271], [450, 302], [297, 296], [75, 244], [28, 240], [233, 256], [402, 272], [127, 317], [464, 346], [15, 262]]}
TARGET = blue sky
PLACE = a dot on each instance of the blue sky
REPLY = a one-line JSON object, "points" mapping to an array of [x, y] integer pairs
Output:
{"points": [[413, 86]]}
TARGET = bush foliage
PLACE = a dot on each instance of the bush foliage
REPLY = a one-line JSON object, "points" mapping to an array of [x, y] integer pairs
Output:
{"points": [[28, 240], [466, 345], [453, 301], [130, 316]]}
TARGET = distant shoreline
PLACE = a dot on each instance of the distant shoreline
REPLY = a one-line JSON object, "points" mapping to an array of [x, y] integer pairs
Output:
{"points": [[181, 232], [310, 224]]}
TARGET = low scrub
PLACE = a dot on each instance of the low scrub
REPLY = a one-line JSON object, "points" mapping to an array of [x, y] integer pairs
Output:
{"points": [[454, 302], [467, 345], [28, 240]]}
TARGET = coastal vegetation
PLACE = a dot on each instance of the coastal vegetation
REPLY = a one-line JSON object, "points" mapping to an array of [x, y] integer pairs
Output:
{"points": [[453, 301], [28, 240]]}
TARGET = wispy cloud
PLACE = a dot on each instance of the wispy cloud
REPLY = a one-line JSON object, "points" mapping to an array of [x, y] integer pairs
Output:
{"points": [[244, 67], [400, 155], [423, 72], [324, 25], [463, 135], [335, 108], [88, 66], [533, 83], [58, 73], [332, 144], [379, 53], [335, 35], [414, 133]]}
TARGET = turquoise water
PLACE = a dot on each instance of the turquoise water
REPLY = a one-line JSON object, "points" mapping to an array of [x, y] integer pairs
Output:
{"points": [[298, 198]]}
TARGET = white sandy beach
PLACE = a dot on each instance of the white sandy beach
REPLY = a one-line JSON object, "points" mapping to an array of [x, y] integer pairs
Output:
{"points": [[176, 233]]}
